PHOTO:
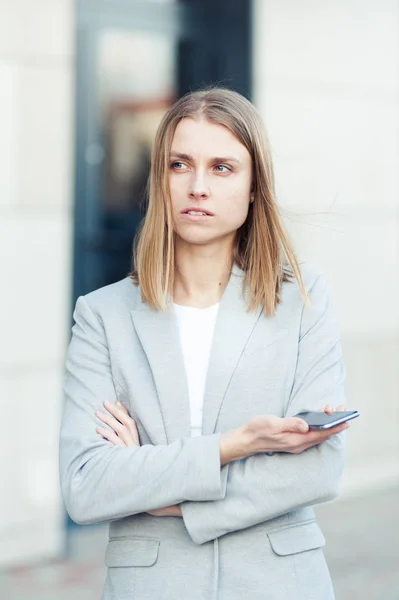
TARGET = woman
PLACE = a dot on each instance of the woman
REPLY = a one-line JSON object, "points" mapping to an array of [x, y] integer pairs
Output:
{"points": [[183, 379]]}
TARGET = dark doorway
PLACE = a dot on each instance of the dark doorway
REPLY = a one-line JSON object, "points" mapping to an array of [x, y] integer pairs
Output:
{"points": [[134, 58]]}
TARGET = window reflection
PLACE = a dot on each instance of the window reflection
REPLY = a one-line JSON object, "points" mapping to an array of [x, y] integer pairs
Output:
{"points": [[137, 83]]}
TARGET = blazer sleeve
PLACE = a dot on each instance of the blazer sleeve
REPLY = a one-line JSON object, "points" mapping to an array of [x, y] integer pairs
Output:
{"points": [[102, 482], [263, 487]]}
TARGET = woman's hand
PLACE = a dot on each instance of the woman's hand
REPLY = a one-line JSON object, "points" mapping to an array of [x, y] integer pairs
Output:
{"points": [[290, 434], [169, 511], [124, 432], [268, 433]]}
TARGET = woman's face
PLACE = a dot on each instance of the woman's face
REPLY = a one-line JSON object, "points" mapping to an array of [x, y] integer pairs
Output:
{"points": [[210, 175]]}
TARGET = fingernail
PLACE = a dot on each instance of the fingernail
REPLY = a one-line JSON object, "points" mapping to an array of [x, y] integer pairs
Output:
{"points": [[118, 403]]}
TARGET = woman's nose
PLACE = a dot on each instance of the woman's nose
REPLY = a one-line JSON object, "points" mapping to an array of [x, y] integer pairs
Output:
{"points": [[198, 187]]}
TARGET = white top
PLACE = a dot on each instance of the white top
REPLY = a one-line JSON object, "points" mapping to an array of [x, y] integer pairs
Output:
{"points": [[196, 326]]}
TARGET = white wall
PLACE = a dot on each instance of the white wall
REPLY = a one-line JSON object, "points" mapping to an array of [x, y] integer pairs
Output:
{"points": [[36, 125], [326, 82]]}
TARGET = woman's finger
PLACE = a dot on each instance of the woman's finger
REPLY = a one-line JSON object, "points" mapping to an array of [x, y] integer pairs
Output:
{"points": [[134, 433], [333, 431], [110, 421], [294, 425], [123, 425], [121, 430], [314, 438], [119, 412], [327, 409], [110, 436], [341, 408], [122, 415]]}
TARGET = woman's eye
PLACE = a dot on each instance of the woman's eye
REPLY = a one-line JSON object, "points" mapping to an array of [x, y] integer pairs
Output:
{"points": [[177, 165], [222, 169]]}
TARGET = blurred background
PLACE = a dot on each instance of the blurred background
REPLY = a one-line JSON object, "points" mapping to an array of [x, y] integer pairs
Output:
{"points": [[83, 86]]}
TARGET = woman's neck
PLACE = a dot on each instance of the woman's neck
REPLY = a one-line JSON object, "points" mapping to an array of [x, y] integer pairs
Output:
{"points": [[201, 276]]}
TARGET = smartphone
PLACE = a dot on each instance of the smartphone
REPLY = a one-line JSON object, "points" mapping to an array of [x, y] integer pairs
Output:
{"points": [[321, 420]]}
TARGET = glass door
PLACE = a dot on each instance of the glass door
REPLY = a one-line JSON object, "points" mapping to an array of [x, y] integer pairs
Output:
{"points": [[135, 58]]}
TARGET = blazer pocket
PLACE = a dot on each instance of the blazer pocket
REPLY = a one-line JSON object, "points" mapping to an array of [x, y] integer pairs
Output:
{"points": [[132, 552], [300, 537]]}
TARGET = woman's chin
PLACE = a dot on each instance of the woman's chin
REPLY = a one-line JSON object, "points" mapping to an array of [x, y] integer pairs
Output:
{"points": [[201, 238]]}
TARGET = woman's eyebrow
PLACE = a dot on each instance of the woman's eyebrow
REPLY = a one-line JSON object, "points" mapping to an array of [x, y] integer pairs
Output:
{"points": [[224, 159], [181, 156], [213, 160]]}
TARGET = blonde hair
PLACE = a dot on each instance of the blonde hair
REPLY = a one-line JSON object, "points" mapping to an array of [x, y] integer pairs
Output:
{"points": [[262, 249]]}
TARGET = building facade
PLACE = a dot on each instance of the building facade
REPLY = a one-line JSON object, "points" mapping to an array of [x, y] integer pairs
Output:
{"points": [[79, 106]]}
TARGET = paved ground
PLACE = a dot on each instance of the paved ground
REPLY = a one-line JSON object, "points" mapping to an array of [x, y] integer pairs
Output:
{"points": [[362, 548], [362, 551]]}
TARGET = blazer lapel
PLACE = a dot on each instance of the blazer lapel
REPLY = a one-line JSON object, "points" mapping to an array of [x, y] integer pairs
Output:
{"points": [[232, 330], [159, 337]]}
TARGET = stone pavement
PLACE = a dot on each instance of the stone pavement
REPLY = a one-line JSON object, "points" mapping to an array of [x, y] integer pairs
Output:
{"points": [[362, 547], [362, 552]]}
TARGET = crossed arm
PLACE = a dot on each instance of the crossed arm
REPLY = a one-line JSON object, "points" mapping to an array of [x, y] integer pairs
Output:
{"points": [[109, 476]]}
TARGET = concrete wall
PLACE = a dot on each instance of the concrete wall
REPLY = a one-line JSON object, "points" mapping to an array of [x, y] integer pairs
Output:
{"points": [[326, 82], [36, 179]]}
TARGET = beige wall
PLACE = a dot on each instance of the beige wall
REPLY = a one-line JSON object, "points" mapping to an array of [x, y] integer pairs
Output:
{"points": [[36, 125], [326, 82]]}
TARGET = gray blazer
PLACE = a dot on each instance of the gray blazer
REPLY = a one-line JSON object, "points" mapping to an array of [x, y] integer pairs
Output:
{"points": [[248, 529]]}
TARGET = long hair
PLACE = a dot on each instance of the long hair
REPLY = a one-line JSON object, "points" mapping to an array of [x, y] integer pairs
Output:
{"points": [[262, 249]]}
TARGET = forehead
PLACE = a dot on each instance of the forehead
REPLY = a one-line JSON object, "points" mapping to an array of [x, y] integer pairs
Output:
{"points": [[203, 138]]}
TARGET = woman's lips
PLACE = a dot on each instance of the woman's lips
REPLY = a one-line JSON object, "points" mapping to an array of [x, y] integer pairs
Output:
{"points": [[196, 214], [197, 209], [196, 217]]}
